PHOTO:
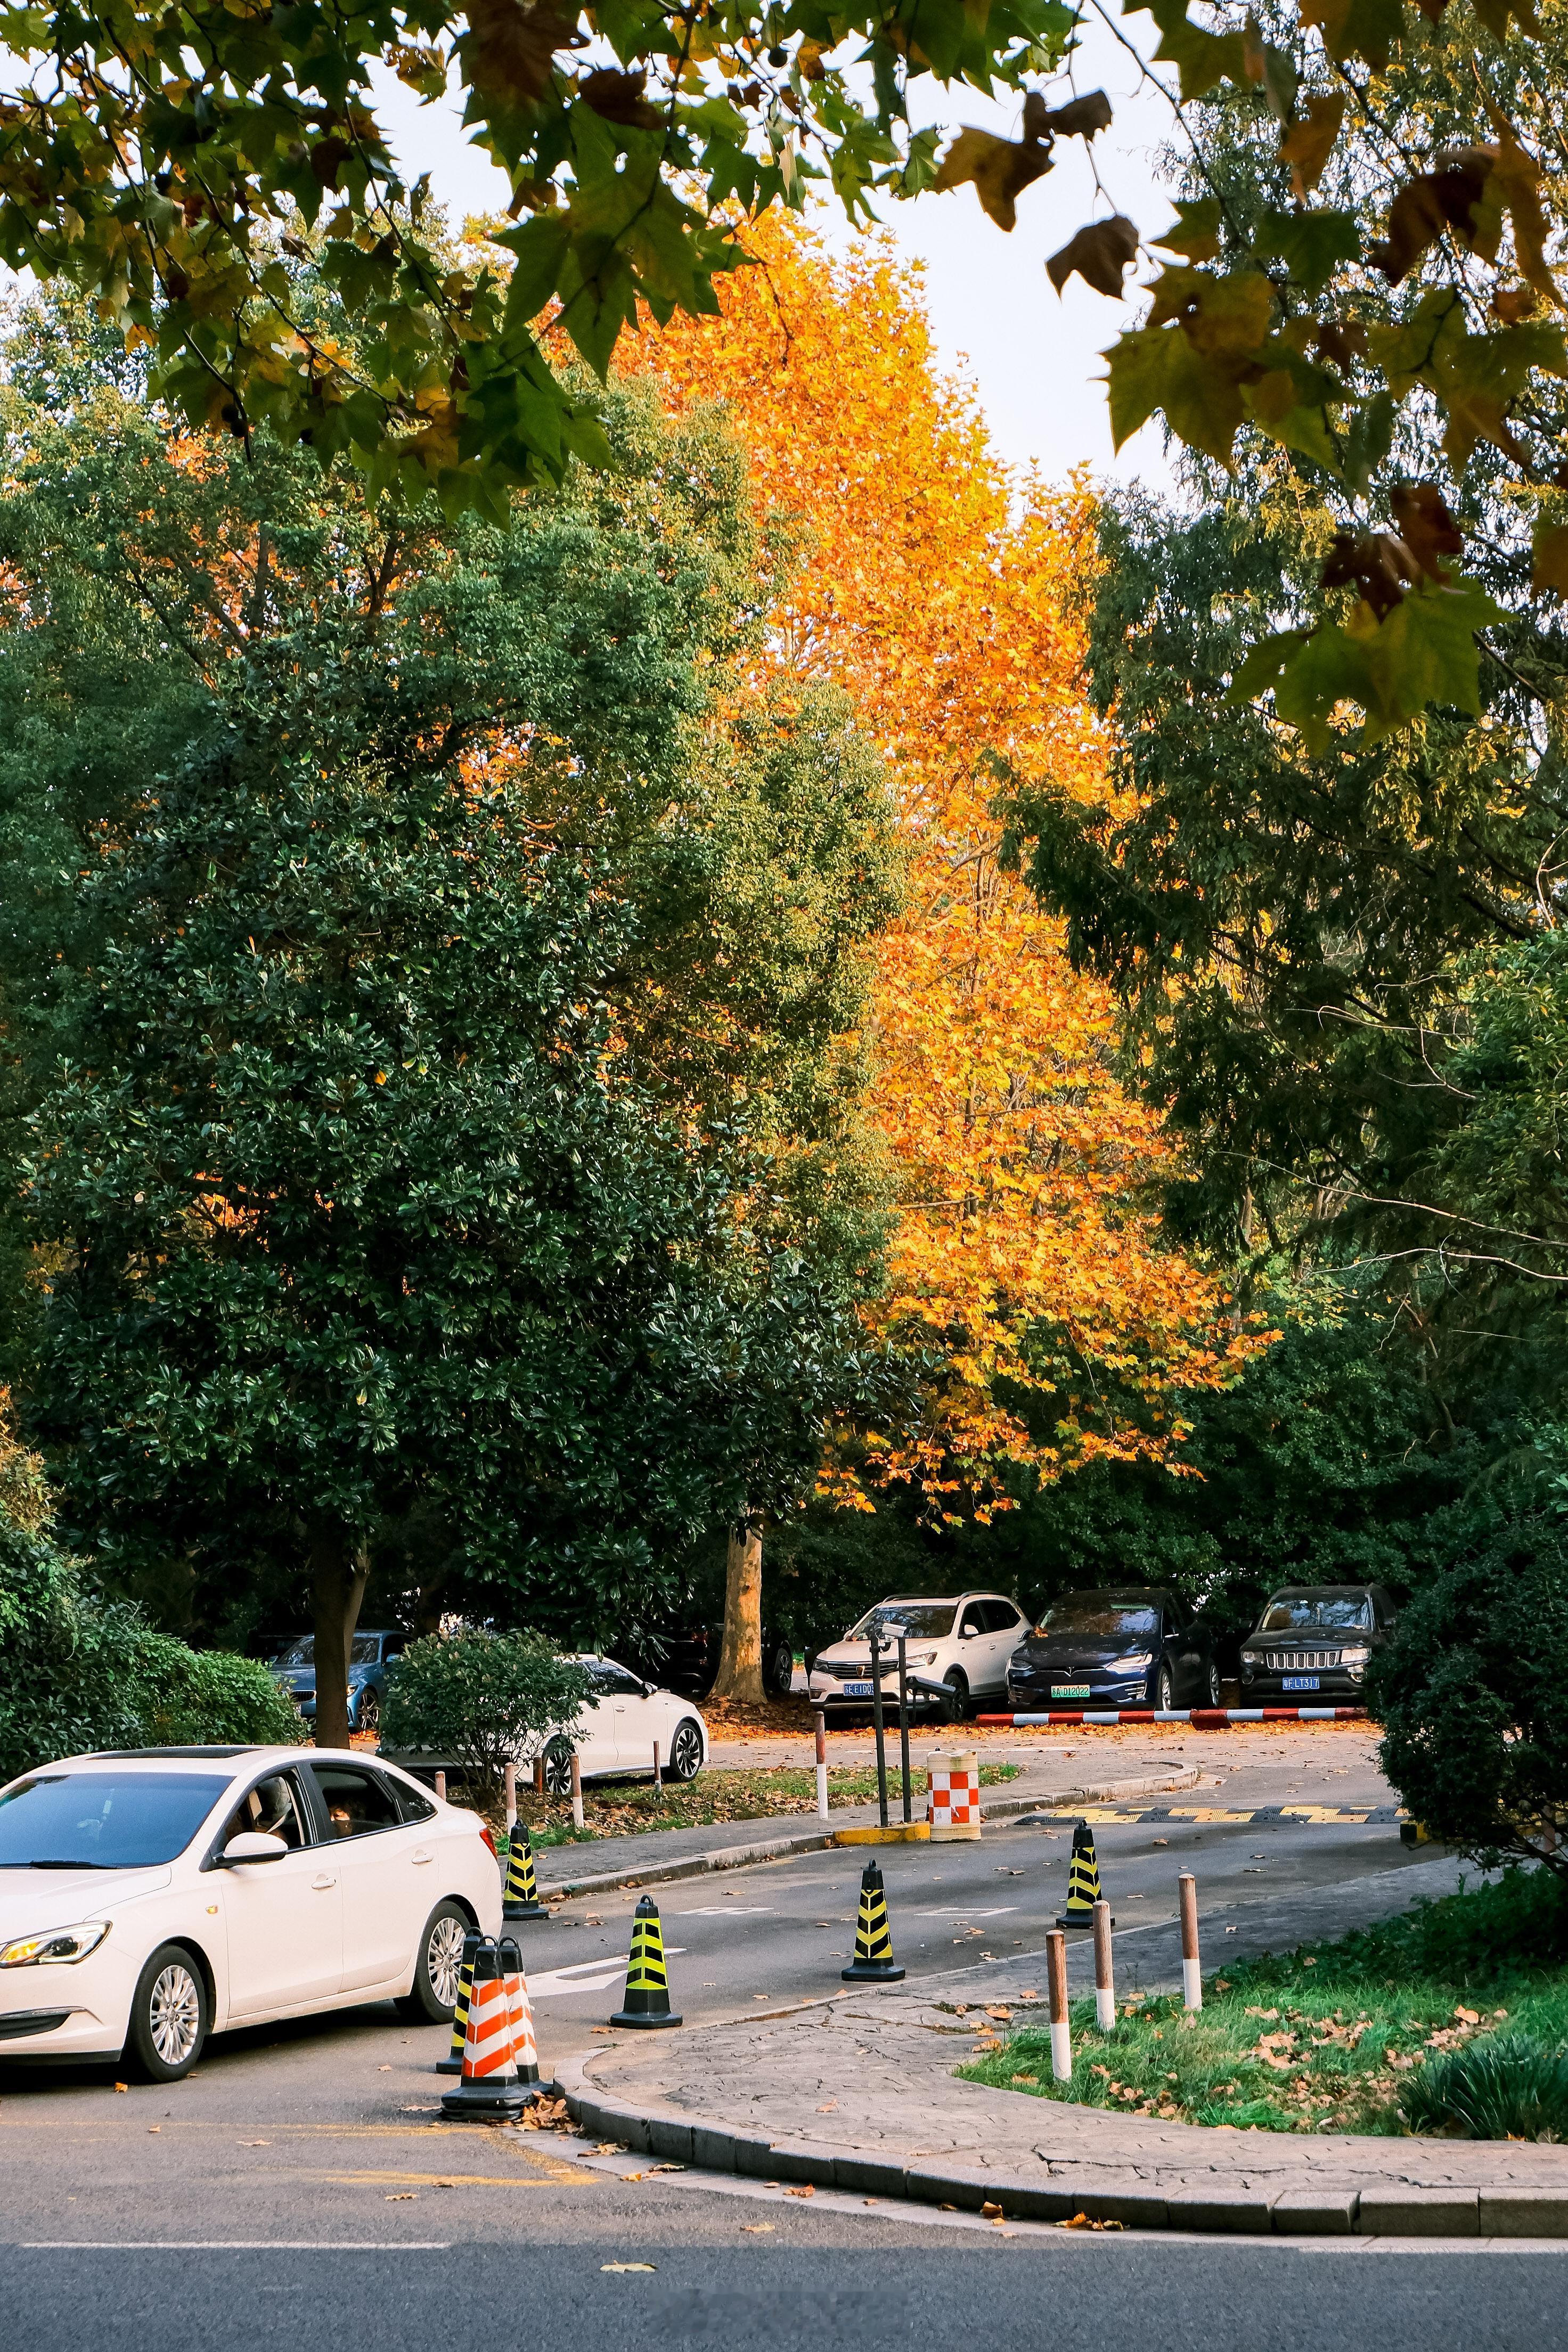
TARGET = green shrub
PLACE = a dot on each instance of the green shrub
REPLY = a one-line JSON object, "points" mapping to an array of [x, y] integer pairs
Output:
{"points": [[1505, 2087], [77, 1672], [481, 1699], [1473, 1697]]}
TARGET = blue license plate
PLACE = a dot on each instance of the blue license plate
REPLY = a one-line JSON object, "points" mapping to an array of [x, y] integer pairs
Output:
{"points": [[856, 1690], [1299, 1681], [1070, 1690]]}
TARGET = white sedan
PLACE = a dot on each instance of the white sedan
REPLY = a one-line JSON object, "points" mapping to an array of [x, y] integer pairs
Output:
{"points": [[619, 1727], [150, 1897]]}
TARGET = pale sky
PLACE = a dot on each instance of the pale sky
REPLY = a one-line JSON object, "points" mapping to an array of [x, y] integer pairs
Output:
{"points": [[1032, 356]]}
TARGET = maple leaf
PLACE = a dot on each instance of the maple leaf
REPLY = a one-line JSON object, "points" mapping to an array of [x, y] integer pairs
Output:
{"points": [[1102, 254], [1001, 170], [511, 50], [1307, 146]]}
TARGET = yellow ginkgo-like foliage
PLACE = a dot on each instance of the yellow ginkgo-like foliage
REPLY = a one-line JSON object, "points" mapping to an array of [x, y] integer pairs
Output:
{"points": [[938, 592]]}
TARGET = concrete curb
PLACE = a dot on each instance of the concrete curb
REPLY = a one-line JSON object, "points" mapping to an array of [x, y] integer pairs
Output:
{"points": [[816, 1838], [1398, 2210], [1196, 1718]]}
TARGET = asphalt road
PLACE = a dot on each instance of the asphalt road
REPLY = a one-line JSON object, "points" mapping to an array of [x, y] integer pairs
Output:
{"points": [[297, 2188]]}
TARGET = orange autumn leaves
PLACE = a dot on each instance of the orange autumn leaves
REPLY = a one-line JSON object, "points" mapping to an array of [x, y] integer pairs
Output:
{"points": [[1027, 1262]]}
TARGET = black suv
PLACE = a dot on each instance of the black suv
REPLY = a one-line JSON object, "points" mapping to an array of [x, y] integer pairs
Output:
{"points": [[1129, 1647], [1315, 1641]]}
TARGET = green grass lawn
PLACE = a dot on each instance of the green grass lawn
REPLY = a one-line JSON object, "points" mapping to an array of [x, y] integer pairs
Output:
{"points": [[1452, 2015], [622, 1810]]}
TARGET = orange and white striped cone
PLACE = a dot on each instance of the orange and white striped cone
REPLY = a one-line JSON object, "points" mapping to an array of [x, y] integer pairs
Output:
{"points": [[520, 2009], [489, 2085]]}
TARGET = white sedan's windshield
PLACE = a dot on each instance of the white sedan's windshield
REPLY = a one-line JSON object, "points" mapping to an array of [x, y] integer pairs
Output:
{"points": [[103, 1821]]}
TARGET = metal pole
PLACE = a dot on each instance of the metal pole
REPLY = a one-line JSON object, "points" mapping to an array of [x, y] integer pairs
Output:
{"points": [[1191, 1974], [657, 1782], [511, 1776], [539, 1774], [904, 1718], [1104, 1980], [1061, 2032], [576, 1791], [821, 1714], [877, 1725]]}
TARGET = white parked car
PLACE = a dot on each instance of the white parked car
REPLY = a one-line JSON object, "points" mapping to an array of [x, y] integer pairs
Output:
{"points": [[616, 1733], [964, 1644], [150, 1897]]}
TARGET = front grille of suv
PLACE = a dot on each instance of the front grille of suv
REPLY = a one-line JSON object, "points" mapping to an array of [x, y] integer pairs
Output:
{"points": [[1295, 1661]]}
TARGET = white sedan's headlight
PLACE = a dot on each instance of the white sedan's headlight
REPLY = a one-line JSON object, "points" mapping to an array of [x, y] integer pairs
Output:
{"points": [[55, 1947]]}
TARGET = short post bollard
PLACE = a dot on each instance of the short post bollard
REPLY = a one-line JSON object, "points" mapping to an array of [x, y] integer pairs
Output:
{"points": [[657, 1775], [539, 1774], [576, 1791], [1061, 2032], [441, 1787], [510, 1776], [821, 1714], [903, 1635], [876, 1646], [1191, 1974], [1104, 1981]]}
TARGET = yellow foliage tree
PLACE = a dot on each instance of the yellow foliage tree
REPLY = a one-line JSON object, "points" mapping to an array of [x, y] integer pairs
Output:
{"points": [[940, 592]]}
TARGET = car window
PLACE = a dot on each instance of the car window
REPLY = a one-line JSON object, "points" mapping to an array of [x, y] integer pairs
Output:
{"points": [[611, 1681], [1000, 1616], [972, 1619], [1095, 1613], [357, 1802], [1330, 1612], [274, 1808], [394, 1648], [415, 1804], [932, 1620], [105, 1820], [301, 1652]]}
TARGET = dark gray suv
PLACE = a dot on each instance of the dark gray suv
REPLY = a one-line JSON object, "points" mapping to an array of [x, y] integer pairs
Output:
{"points": [[1315, 1642]]}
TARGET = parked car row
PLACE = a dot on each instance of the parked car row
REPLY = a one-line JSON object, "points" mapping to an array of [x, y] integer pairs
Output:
{"points": [[1124, 1646]]}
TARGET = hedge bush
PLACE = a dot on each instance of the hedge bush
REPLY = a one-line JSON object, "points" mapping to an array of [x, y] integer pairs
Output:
{"points": [[482, 1700]]}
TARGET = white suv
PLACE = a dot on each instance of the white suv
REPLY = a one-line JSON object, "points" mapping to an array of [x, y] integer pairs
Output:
{"points": [[963, 1643]]}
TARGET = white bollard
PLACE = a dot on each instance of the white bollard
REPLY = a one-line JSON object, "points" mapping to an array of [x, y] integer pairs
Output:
{"points": [[1104, 1981], [441, 1787], [511, 1796], [657, 1782], [1191, 1974], [1061, 2032], [576, 1791], [821, 1764]]}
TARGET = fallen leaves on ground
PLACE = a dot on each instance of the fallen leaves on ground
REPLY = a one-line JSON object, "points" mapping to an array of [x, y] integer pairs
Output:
{"points": [[805, 2188], [1083, 2222]]}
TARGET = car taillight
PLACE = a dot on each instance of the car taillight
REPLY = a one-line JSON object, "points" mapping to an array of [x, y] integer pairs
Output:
{"points": [[485, 1833]]}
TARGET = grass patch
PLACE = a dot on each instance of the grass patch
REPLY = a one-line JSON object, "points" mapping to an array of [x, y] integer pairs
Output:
{"points": [[622, 1810], [1453, 2018]]}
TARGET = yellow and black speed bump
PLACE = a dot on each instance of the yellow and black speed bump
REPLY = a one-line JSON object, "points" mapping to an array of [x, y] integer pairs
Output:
{"points": [[647, 2000], [1083, 1881], [453, 2062], [520, 1899], [873, 1962]]}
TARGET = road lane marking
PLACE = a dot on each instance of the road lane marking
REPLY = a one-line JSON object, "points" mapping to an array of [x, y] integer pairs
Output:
{"points": [[234, 2246], [587, 1976], [725, 1911], [956, 1911], [1284, 1816]]}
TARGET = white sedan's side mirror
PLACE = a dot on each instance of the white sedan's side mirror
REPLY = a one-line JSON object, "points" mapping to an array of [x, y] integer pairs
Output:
{"points": [[252, 1845]]}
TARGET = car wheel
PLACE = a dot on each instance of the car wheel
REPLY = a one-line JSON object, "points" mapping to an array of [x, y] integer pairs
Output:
{"points": [[558, 1768], [685, 1751], [1214, 1690], [170, 2016], [369, 1713], [1164, 1690], [955, 1706], [778, 1670], [433, 1996]]}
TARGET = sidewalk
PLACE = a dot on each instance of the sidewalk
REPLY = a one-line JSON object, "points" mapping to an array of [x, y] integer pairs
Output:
{"points": [[649, 1857], [858, 2093]]}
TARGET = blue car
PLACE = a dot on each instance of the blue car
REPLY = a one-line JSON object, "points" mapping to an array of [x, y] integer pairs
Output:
{"points": [[295, 1668]]}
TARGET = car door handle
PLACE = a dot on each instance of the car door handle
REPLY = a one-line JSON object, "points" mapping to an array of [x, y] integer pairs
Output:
{"points": [[423, 1854], [321, 1883]]}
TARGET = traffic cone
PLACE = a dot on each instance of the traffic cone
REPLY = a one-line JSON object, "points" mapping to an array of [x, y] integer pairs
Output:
{"points": [[520, 2010], [1083, 1881], [647, 2000], [452, 2063], [520, 1899], [873, 1962], [490, 2085]]}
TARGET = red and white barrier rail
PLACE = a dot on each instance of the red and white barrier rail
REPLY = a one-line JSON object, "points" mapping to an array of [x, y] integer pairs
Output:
{"points": [[1201, 1719]]}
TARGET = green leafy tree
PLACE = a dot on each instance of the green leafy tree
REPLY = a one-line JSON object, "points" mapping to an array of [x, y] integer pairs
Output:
{"points": [[484, 1699]]}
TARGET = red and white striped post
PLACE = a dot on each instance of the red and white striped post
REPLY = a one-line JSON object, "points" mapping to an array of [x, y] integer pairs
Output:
{"points": [[1104, 1981], [1191, 1974], [1061, 2032]]}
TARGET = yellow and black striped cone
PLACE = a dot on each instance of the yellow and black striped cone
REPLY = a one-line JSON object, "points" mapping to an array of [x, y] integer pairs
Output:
{"points": [[453, 2062], [520, 1897], [1083, 1881], [873, 1961], [647, 2000]]}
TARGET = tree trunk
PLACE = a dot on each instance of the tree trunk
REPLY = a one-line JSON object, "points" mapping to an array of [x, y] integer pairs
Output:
{"points": [[339, 1571], [739, 1673]]}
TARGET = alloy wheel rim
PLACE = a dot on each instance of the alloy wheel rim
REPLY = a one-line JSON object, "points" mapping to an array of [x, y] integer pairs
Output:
{"points": [[176, 2014], [688, 1754], [444, 1961]]}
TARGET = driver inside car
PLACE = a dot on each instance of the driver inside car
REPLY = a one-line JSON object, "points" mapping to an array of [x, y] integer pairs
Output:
{"points": [[267, 1809]]}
